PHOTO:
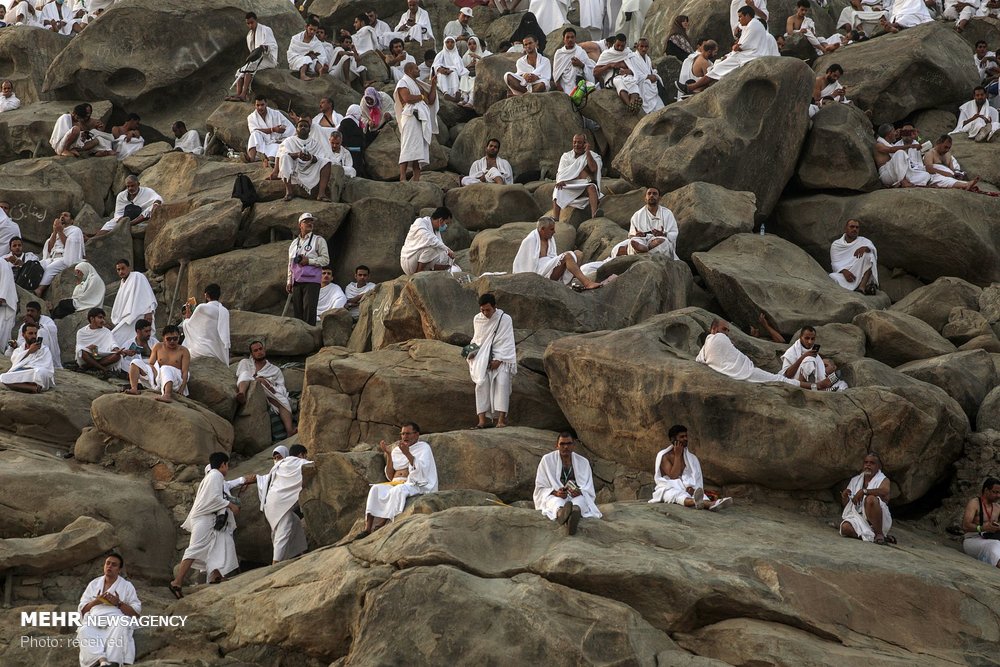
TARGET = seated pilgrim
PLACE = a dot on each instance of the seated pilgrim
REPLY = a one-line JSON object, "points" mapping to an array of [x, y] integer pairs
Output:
{"points": [[135, 204], [754, 42], [340, 156], [578, 179], [564, 486], [719, 354], [258, 368], [866, 515], [186, 140], [614, 70], [166, 369], [268, 128], [96, 348], [302, 160], [978, 118], [677, 475], [538, 254], [854, 260], [331, 296], [802, 362], [491, 168], [31, 365], [653, 229], [981, 524], [423, 249], [411, 471], [533, 71], [944, 169]]}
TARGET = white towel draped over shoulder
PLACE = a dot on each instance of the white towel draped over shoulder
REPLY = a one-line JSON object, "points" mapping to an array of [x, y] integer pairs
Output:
{"points": [[527, 259], [854, 514], [669, 490], [135, 298], [495, 337], [548, 479], [842, 257], [206, 332]]}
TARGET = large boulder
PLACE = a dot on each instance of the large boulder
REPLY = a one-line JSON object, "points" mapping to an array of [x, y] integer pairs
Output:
{"points": [[418, 193], [180, 432], [25, 132], [933, 303], [837, 153], [143, 529], [280, 219], [724, 125], [373, 235], [193, 180], [534, 131], [27, 53], [194, 49], [967, 376], [282, 336], [495, 249], [79, 542], [427, 305], [364, 397], [928, 233], [285, 90], [382, 155], [251, 279], [605, 108], [978, 159], [56, 416], [742, 427], [490, 86], [989, 411], [751, 274], [895, 338], [205, 231], [895, 75], [488, 205]]}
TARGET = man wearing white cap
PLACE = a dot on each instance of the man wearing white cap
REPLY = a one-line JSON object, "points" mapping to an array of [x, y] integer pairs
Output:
{"points": [[460, 29], [307, 255]]}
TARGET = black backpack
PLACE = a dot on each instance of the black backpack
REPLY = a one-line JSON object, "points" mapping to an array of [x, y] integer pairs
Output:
{"points": [[244, 190], [30, 275]]}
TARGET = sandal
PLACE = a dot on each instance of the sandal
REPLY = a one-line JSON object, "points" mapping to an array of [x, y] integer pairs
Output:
{"points": [[176, 591]]}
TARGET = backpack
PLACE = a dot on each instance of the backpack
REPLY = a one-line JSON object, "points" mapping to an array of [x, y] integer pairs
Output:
{"points": [[244, 190], [30, 275], [582, 91]]}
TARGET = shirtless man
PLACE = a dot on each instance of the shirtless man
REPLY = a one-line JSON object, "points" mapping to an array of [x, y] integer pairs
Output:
{"points": [[709, 51], [167, 367], [944, 168], [79, 139]]}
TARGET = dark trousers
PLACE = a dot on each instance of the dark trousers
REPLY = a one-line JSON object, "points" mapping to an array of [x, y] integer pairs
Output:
{"points": [[62, 309], [305, 297]]}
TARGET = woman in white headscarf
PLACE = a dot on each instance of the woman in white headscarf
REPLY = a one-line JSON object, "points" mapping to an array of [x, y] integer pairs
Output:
{"points": [[353, 138], [473, 55], [88, 293], [449, 68]]}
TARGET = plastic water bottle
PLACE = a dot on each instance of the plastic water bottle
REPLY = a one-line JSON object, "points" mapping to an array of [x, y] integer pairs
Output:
{"points": [[762, 229]]}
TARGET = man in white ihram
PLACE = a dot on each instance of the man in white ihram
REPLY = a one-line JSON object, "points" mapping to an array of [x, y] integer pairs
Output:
{"points": [[719, 354], [279, 494], [538, 254], [268, 128], [494, 363], [755, 42], [411, 471], [270, 379], [854, 260], [653, 229], [102, 642], [564, 486], [136, 203], [424, 249], [206, 327], [258, 37], [490, 169], [677, 475], [977, 118], [570, 63], [135, 301], [31, 365], [802, 362], [578, 179]]}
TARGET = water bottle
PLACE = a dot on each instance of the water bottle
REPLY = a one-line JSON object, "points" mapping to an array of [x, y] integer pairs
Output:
{"points": [[762, 229]]}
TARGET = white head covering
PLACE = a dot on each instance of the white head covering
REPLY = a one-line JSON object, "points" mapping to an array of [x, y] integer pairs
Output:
{"points": [[448, 57], [90, 292], [280, 449], [354, 112]]}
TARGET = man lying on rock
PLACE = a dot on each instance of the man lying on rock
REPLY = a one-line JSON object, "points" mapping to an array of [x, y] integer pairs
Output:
{"points": [[719, 354]]}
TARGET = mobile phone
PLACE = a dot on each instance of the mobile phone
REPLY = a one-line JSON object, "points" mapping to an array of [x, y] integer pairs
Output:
{"points": [[39, 340], [816, 347]]}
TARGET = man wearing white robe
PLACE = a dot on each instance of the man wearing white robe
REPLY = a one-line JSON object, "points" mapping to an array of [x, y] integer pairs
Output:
{"points": [[186, 140], [491, 168], [494, 364], [415, 23], [8, 301], [146, 199], [866, 515], [854, 260], [758, 9], [56, 16], [827, 89], [647, 76], [31, 366], [63, 249], [719, 354], [677, 475], [268, 128], [110, 595], [614, 71], [424, 249], [550, 14], [356, 291], [331, 296], [8, 100], [278, 492], [533, 71], [270, 379], [537, 254], [755, 42], [137, 352], [802, 362], [578, 178], [977, 118], [258, 37], [8, 228], [570, 63], [652, 229], [46, 329], [384, 33], [631, 18], [450, 69], [564, 486], [211, 500], [416, 119], [365, 38], [306, 55], [899, 162], [344, 61], [206, 328], [340, 156], [411, 471], [135, 300], [910, 13], [96, 348], [302, 160]]}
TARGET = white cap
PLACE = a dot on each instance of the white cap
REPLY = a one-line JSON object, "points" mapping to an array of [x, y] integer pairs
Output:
{"points": [[306, 216], [465, 10]]}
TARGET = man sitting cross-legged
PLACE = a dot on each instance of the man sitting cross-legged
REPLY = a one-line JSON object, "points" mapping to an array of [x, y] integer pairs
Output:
{"points": [[678, 477], [96, 348]]}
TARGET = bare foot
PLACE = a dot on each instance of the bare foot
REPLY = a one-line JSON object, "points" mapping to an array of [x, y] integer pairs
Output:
{"points": [[132, 392], [241, 397], [164, 399], [292, 432]]}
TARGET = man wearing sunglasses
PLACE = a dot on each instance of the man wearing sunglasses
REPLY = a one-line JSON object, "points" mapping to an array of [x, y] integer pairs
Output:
{"points": [[167, 367]]}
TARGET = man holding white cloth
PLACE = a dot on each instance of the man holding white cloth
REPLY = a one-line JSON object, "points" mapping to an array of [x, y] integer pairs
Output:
{"points": [[578, 179], [279, 492], [570, 63], [677, 475], [493, 363], [854, 260], [135, 301], [564, 486], [416, 114]]}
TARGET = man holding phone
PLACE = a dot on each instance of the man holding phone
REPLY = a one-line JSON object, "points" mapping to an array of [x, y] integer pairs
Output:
{"points": [[31, 368], [802, 362]]}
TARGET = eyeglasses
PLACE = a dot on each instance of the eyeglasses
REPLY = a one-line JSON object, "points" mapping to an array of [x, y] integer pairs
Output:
{"points": [[407, 432], [172, 339]]}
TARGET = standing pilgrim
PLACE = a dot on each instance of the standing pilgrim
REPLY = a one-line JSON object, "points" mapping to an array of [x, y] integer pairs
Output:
{"points": [[492, 362], [279, 496], [135, 301], [416, 114], [8, 300], [206, 326], [307, 255]]}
